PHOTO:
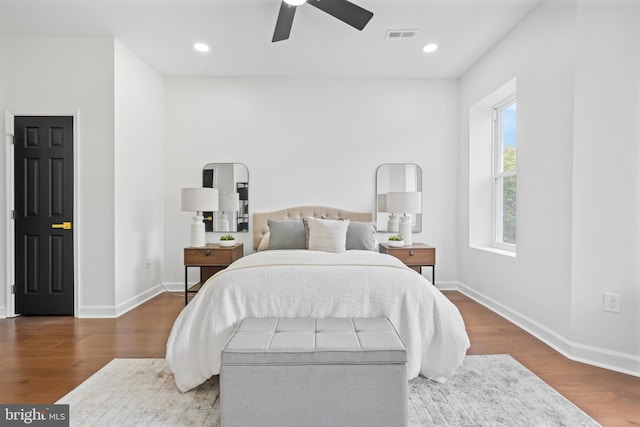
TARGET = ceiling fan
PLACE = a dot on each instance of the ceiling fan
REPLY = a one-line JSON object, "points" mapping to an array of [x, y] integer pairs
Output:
{"points": [[343, 10]]}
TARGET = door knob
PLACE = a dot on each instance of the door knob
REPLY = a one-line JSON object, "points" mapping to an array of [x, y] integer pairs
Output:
{"points": [[65, 225]]}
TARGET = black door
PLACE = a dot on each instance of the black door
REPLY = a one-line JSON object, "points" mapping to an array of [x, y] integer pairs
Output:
{"points": [[44, 215]]}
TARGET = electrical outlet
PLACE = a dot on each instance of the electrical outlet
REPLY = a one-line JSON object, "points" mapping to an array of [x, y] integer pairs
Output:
{"points": [[612, 302], [147, 263]]}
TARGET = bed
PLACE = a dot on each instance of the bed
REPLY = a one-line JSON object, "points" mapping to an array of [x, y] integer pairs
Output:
{"points": [[317, 277]]}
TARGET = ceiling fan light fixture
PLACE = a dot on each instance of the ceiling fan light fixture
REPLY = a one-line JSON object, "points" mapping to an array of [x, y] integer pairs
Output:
{"points": [[343, 10]]}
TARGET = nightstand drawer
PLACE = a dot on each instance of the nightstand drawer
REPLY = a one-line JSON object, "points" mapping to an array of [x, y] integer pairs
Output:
{"points": [[212, 255], [414, 256]]}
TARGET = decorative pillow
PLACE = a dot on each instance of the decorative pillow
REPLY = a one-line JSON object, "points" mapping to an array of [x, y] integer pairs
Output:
{"points": [[264, 242], [327, 235], [305, 222], [287, 234], [362, 236]]}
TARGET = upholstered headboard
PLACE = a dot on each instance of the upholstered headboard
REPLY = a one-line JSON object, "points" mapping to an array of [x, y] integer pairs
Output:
{"points": [[261, 227]]}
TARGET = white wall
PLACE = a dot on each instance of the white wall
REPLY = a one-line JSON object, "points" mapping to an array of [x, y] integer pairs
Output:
{"points": [[65, 75], [535, 284], [606, 196], [139, 179], [577, 230], [313, 141]]}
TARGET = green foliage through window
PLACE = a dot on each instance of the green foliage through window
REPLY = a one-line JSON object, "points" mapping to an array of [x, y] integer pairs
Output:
{"points": [[505, 172]]}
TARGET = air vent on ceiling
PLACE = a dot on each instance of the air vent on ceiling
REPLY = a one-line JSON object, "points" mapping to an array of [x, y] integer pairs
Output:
{"points": [[400, 34]]}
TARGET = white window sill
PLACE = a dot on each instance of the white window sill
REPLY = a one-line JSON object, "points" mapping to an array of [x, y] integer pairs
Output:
{"points": [[498, 251]]}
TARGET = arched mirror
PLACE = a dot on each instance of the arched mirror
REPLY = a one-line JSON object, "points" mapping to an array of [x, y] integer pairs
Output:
{"points": [[232, 182], [398, 196]]}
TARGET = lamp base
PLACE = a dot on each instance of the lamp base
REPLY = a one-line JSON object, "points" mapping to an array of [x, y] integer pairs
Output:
{"points": [[392, 223], [406, 230], [223, 222], [198, 237]]}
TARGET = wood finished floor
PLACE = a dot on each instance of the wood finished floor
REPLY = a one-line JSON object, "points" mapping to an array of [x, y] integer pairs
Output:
{"points": [[43, 358]]}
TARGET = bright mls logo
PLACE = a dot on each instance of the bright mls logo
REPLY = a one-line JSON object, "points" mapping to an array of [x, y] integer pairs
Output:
{"points": [[34, 415]]}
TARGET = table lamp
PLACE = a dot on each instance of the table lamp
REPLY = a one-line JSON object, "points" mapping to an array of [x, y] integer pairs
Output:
{"points": [[392, 220], [198, 200], [227, 202], [409, 203]]}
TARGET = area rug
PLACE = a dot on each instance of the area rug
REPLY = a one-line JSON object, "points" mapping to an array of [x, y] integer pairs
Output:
{"points": [[493, 390]]}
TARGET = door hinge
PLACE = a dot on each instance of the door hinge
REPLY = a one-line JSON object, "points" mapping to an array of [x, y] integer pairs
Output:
{"points": [[13, 214], [13, 139]]}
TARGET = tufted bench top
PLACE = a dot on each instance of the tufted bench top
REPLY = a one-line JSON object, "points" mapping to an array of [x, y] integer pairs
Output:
{"points": [[290, 341]]}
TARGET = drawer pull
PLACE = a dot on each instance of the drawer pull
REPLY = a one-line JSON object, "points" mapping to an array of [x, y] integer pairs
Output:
{"points": [[207, 252], [411, 252]]}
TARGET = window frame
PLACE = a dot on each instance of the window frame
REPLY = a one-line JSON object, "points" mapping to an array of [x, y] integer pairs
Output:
{"points": [[498, 174]]}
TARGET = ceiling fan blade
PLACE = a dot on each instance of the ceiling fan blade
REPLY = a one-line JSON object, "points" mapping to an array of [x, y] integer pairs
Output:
{"points": [[345, 11], [284, 22]]}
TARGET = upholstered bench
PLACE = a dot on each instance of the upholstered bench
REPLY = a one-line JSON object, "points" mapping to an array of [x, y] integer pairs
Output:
{"points": [[300, 372]]}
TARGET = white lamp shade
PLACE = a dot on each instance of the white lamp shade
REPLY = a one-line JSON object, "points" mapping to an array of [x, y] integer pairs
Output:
{"points": [[199, 199], [228, 202], [408, 202]]}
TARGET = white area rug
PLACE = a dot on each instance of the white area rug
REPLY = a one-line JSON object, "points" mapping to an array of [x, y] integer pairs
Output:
{"points": [[486, 391]]}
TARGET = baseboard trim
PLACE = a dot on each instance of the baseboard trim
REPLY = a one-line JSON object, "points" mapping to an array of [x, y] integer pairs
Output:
{"points": [[3, 312], [447, 286], [615, 361], [173, 286], [96, 312], [110, 312], [137, 300]]}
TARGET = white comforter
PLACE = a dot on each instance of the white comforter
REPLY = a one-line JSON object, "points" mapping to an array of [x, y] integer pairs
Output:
{"points": [[303, 283]]}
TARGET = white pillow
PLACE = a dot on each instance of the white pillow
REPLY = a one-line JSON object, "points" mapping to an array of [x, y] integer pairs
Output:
{"points": [[328, 235]]}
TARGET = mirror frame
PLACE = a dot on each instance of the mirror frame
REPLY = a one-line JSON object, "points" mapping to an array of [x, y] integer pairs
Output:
{"points": [[241, 219], [384, 187]]}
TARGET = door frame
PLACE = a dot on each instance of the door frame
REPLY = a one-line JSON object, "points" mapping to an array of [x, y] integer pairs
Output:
{"points": [[9, 116]]}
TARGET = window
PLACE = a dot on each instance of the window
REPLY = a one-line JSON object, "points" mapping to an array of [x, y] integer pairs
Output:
{"points": [[504, 173], [492, 171]]}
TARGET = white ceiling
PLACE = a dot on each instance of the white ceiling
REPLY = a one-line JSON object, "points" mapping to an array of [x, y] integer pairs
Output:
{"points": [[162, 33]]}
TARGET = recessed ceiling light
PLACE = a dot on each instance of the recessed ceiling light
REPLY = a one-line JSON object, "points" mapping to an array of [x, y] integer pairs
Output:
{"points": [[295, 2], [201, 47], [432, 47]]}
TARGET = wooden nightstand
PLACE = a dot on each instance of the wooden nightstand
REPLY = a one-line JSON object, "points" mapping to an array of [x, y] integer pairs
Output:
{"points": [[210, 258], [415, 256]]}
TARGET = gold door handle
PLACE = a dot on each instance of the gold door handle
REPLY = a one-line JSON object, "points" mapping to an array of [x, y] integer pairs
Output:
{"points": [[65, 225]]}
